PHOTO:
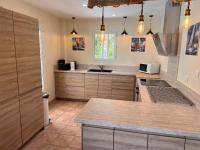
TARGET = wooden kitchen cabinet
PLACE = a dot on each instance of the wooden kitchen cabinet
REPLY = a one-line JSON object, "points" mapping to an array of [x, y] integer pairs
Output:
{"points": [[91, 85], [97, 138], [32, 116], [70, 85], [105, 86], [123, 87], [165, 143], [10, 128], [26, 32], [129, 141], [192, 144]]}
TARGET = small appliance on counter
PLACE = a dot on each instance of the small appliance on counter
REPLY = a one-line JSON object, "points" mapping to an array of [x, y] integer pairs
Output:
{"points": [[73, 65], [150, 68], [61, 64]]}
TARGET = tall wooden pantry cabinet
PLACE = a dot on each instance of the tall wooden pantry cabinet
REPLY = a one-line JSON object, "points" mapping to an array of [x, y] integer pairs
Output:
{"points": [[21, 107]]}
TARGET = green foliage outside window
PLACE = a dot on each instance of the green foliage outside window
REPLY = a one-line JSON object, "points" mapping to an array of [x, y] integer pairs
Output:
{"points": [[105, 49]]}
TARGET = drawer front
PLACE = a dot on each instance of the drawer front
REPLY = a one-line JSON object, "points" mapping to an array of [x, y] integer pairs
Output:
{"points": [[122, 94], [91, 80], [74, 79], [91, 92], [123, 82], [74, 92], [97, 139], [165, 143], [192, 145], [129, 141]]}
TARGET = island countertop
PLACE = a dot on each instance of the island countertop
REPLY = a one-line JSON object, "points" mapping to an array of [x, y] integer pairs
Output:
{"points": [[170, 120]]}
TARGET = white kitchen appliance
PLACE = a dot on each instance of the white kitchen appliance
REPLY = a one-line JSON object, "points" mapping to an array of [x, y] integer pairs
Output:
{"points": [[150, 68], [73, 65]]}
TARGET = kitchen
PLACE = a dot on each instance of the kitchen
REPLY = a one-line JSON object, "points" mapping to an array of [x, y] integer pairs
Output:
{"points": [[109, 84]]}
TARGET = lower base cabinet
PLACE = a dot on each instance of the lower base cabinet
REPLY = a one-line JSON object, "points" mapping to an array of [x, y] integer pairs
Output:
{"points": [[97, 138], [129, 141], [165, 143], [192, 145]]}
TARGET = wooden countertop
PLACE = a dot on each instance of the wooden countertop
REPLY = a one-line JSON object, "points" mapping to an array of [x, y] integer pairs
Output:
{"points": [[163, 119], [136, 73]]}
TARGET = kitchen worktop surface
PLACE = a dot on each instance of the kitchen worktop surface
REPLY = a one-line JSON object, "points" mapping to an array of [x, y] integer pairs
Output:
{"points": [[136, 73], [170, 120]]}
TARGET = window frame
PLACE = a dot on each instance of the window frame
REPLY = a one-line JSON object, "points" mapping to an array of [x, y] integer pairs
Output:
{"points": [[115, 48]]}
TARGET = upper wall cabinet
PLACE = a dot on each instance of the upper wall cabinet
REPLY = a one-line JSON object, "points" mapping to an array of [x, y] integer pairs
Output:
{"points": [[26, 31], [10, 128]]}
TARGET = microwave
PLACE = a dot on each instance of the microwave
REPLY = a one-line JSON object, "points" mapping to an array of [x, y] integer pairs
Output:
{"points": [[150, 68]]}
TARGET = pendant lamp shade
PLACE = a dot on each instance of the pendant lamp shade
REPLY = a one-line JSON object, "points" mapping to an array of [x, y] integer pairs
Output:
{"points": [[150, 32], [74, 31], [124, 31]]}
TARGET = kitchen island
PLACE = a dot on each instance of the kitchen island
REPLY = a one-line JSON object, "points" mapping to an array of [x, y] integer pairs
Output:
{"points": [[127, 125]]}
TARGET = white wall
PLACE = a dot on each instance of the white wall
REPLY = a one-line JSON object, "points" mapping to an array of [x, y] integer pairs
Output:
{"points": [[88, 27], [51, 27], [189, 66]]}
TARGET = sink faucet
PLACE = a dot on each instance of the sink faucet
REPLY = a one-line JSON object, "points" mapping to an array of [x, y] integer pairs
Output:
{"points": [[101, 67]]}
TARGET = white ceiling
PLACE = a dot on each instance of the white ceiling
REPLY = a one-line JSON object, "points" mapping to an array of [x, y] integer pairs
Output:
{"points": [[68, 8]]}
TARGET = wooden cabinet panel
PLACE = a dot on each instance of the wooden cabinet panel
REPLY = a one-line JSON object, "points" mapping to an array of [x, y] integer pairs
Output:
{"points": [[129, 141], [105, 86], [26, 32], [10, 128], [122, 94], [32, 116], [74, 79], [165, 143], [123, 82], [75, 92], [97, 139], [91, 85], [192, 145]]}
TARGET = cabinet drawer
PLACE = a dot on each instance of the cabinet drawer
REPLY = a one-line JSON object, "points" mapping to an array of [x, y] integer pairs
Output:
{"points": [[91, 92], [123, 82], [74, 79], [91, 81], [130, 141], [74, 92], [165, 143], [97, 139], [192, 145], [122, 94]]}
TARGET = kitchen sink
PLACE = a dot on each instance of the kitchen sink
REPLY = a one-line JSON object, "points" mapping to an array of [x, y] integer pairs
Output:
{"points": [[150, 82], [99, 70]]}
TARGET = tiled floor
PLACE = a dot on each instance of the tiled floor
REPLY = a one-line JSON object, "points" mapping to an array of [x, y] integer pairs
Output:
{"points": [[63, 133]]}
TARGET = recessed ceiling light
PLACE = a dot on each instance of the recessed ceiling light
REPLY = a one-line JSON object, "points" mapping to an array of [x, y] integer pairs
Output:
{"points": [[84, 5]]}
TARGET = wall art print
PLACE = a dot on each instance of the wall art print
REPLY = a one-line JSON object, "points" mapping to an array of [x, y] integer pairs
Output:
{"points": [[138, 44], [78, 43], [193, 37]]}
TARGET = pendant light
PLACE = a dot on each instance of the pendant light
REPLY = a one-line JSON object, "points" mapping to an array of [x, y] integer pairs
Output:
{"points": [[103, 27], [150, 31], [74, 31], [186, 23], [124, 31], [141, 21]]}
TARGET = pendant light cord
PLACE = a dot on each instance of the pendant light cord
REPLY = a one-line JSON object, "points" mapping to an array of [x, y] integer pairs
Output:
{"points": [[102, 15], [125, 22]]}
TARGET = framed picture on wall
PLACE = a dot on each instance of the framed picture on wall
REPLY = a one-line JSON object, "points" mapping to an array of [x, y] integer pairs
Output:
{"points": [[193, 36], [138, 44], [78, 43]]}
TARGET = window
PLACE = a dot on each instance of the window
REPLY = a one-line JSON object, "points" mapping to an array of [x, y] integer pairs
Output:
{"points": [[105, 50]]}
